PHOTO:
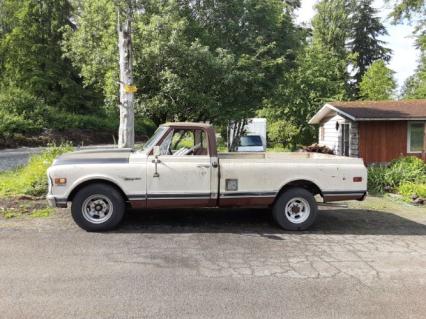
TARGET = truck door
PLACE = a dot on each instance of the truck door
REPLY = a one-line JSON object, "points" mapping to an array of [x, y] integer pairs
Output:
{"points": [[181, 175]]}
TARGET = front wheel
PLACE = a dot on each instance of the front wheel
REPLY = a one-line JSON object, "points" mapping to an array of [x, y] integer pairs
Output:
{"points": [[98, 207], [295, 209]]}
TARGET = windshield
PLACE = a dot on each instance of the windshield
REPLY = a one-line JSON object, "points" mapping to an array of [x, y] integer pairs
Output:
{"points": [[154, 138], [251, 140]]}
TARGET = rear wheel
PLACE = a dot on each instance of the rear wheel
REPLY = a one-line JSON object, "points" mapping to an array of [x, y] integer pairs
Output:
{"points": [[295, 209], [98, 207]]}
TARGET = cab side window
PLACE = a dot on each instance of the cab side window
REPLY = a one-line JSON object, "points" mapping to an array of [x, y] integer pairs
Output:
{"points": [[184, 142]]}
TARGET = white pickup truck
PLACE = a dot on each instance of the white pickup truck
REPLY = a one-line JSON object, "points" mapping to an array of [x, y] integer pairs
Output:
{"points": [[180, 167]]}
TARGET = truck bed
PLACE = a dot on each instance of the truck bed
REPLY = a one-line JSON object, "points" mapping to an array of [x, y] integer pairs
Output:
{"points": [[287, 156]]}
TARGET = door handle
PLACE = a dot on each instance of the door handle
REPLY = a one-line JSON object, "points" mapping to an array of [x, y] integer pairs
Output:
{"points": [[203, 165], [156, 161]]}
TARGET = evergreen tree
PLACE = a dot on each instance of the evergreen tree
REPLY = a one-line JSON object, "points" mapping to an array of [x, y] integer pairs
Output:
{"points": [[331, 26], [365, 45]]}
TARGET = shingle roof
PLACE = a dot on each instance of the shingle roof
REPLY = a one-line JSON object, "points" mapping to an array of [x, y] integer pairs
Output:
{"points": [[374, 110], [406, 109]]}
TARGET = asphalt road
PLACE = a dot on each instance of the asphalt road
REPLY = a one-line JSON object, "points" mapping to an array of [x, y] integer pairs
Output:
{"points": [[12, 158], [215, 264]]}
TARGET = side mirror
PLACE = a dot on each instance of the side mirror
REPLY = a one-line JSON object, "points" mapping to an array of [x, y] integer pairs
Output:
{"points": [[156, 151]]}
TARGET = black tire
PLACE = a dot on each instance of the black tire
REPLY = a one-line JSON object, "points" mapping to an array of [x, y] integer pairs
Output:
{"points": [[100, 195], [291, 196]]}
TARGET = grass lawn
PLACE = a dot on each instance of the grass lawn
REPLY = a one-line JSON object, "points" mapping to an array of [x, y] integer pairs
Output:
{"points": [[389, 203]]}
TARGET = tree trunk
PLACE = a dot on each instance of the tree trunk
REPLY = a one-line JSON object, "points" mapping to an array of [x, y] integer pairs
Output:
{"points": [[237, 129], [126, 131]]}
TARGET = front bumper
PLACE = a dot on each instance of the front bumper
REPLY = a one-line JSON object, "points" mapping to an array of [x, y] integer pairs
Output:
{"points": [[57, 202]]}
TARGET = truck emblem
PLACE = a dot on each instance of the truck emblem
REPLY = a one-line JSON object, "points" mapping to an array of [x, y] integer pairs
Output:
{"points": [[132, 179]]}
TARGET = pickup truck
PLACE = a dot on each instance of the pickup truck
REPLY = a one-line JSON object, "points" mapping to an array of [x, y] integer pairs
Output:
{"points": [[179, 166]]}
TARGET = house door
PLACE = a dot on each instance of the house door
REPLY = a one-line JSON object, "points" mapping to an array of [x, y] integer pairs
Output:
{"points": [[344, 139]]}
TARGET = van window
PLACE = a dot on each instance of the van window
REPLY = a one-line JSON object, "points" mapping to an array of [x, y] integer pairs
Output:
{"points": [[251, 140]]}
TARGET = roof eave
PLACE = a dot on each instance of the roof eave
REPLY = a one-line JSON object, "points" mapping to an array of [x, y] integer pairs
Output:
{"points": [[366, 119], [316, 119]]}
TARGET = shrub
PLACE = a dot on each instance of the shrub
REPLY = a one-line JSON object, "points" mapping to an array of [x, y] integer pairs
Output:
{"points": [[12, 124], [14, 100], [408, 190], [31, 179], [23, 113], [404, 170], [376, 179], [283, 133]]}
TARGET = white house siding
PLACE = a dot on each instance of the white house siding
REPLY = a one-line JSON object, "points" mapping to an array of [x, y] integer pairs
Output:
{"points": [[331, 135]]}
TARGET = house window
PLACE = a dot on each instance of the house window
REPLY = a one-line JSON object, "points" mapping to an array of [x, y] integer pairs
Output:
{"points": [[415, 137]]}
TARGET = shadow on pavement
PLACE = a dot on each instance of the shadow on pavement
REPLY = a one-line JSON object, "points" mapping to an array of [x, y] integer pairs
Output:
{"points": [[338, 221]]}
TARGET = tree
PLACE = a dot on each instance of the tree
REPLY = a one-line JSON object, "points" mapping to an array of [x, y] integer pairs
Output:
{"points": [[284, 133], [316, 79], [378, 82], [331, 25], [414, 11], [91, 46], [31, 55], [415, 86], [126, 131], [193, 60], [366, 29], [319, 75]]}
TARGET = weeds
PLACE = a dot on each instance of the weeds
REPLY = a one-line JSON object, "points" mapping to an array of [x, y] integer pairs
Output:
{"points": [[31, 179]]}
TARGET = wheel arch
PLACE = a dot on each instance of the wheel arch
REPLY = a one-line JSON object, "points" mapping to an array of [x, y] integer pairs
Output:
{"points": [[301, 183], [85, 183]]}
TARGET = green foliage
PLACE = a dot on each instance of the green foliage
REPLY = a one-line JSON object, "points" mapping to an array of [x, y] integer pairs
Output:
{"points": [[414, 12], [409, 189], [283, 133], [31, 179], [31, 55], [317, 78], [365, 44], [12, 123], [376, 179], [200, 60], [20, 112], [23, 113], [378, 82], [415, 86], [404, 170], [331, 25], [92, 47]]}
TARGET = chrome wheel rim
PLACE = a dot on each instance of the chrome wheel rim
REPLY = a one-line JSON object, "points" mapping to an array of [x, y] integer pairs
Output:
{"points": [[297, 210], [97, 209]]}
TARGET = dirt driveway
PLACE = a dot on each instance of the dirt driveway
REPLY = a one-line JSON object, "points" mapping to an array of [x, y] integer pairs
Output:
{"points": [[367, 261]]}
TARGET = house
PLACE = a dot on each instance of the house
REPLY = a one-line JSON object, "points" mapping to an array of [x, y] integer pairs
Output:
{"points": [[377, 131]]}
